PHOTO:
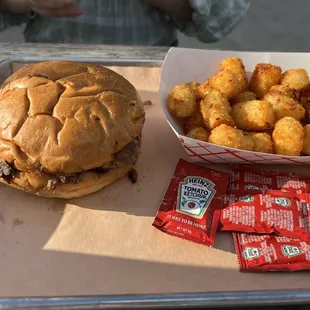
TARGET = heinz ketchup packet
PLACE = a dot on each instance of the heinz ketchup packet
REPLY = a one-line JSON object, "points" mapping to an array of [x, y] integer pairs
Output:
{"points": [[191, 206], [305, 199], [250, 180], [265, 213], [271, 253]]}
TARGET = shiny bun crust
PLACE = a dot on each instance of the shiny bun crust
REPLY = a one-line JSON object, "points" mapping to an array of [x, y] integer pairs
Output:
{"points": [[62, 118]]}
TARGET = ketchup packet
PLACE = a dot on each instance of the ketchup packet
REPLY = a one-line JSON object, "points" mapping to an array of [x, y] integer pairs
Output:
{"points": [[191, 206], [305, 199], [265, 213], [271, 253], [250, 180]]}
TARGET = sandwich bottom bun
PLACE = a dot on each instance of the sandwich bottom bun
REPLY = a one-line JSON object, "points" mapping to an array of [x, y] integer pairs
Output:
{"points": [[89, 182]]}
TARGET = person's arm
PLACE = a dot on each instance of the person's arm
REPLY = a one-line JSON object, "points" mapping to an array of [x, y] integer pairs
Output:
{"points": [[212, 20], [15, 6], [13, 13], [179, 8], [51, 8]]}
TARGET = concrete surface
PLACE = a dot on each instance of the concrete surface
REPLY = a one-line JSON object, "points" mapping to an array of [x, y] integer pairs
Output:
{"points": [[279, 25]]}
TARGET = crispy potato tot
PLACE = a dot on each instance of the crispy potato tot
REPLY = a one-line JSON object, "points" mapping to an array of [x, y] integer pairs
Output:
{"points": [[304, 97], [194, 85], [255, 115], [231, 137], [226, 82], [264, 77], [243, 97], [288, 137], [304, 94], [199, 133], [296, 79], [215, 110], [289, 92], [194, 121], [204, 89], [283, 105], [236, 66], [306, 147], [182, 101], [262, 142]]}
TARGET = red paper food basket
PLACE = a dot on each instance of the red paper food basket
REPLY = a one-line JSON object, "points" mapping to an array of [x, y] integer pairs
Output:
{"points": [[183, 65]]}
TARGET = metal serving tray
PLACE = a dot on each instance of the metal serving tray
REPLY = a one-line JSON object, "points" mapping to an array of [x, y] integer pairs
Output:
{"points": [[233, 300], [156, 301], [6, 68]]}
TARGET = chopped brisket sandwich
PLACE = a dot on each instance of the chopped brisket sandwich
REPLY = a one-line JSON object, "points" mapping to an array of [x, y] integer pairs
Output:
{"points": [[67, 129]]}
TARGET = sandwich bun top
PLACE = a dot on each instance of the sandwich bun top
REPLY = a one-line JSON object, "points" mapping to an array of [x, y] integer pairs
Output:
{"points": [[66, 117]]}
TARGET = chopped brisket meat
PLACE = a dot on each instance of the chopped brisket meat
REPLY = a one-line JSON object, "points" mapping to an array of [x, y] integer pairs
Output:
{"points": [[51, 184], [129, 154], [133, 176], [6, 171], [126, 156], [102, 170]]}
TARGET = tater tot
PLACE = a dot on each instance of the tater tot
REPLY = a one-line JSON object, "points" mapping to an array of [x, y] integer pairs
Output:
{"points": [[296, 79], [290, 92], [204, 89], [226, 82], [199, 133], [288, 137], [231, 137], [243, 97], [263, 78], [194, 121], [236, 66], [283, 105], [304, 97], [182, 101], [194, 85], [306, 147], [262, 142], [215, 110], [255, 115]]}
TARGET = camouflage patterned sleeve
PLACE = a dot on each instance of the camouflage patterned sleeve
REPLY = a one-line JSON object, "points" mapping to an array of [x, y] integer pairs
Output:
{"points": [[212, 20]]}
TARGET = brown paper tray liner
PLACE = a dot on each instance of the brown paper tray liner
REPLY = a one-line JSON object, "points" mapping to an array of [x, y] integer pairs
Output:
{"points": [[104, 243]]}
